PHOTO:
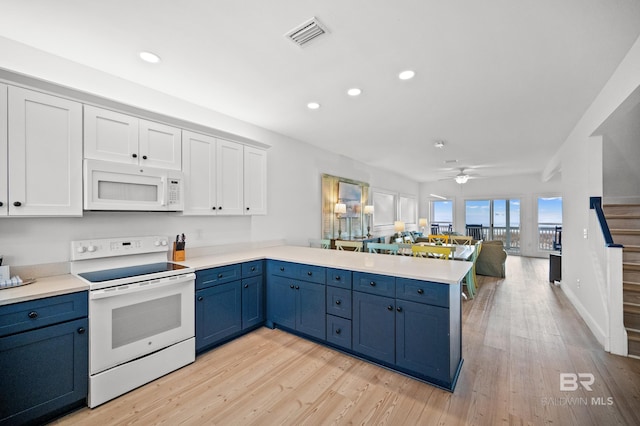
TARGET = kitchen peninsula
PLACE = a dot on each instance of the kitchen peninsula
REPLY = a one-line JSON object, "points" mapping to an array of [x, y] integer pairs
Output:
{"points": [[400, 312]]}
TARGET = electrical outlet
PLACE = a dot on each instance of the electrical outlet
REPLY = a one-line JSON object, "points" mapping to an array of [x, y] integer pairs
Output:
{"points": [[585, 233], [578, 282]]}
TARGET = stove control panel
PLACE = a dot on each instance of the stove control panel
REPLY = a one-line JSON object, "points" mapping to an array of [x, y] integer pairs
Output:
{"points": [[110, 247]]}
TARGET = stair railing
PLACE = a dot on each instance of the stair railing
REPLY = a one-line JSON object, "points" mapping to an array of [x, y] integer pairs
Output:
{"points": [[607, 256]]}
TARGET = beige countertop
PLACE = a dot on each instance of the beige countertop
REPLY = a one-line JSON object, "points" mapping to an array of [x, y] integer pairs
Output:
{"points": [[442, 271], [43, 287], [448, 272]]}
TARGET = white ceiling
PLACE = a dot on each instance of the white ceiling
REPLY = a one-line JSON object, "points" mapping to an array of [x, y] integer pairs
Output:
{"points": [[501, 82]]}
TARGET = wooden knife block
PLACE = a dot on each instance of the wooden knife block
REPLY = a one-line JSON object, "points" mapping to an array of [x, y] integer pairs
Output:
{"points": [[178, 252]]}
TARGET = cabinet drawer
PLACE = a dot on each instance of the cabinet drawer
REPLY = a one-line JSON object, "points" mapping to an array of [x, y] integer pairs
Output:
{"points": [[339, 278], [215, 276], [252, 268], [34, 314], [314, 274], [339, 302], [339, 331], [423, 292], [382, 285]]}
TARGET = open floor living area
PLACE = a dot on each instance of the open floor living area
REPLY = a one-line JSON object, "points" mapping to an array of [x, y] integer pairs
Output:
{"points": [[520, 335], [302, 212]]}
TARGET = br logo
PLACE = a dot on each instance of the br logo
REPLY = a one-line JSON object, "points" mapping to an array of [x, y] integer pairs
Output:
{"points": [[572, 381]]}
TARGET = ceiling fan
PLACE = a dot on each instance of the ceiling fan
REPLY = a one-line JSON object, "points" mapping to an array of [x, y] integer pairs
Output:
{"points": [[461, 178]]}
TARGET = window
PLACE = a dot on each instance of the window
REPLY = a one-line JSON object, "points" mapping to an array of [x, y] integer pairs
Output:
{"points": [[384, 208], [408, 210], [500, 220], [441, 213], [549, 218]]}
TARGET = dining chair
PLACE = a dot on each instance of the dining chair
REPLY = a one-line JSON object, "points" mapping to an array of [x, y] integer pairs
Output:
{"points": [[319, 243], [355, 245], [436, 252], [439, 237], [471, 280], [382, 248], [404, 248], [475, 231], [461, 240]]}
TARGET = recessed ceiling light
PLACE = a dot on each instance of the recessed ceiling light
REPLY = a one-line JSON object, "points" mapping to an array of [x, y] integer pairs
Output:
{"points": [[354, 91], [438, 144], [406, 75], [152, 58], [313, 105]]}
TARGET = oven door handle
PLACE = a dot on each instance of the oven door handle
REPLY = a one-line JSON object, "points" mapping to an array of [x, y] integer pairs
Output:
{"points": [[142, 286]]}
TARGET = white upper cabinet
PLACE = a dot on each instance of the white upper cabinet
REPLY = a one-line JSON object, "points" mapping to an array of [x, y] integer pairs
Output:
{"points": [[44, 154], [214, 175], [160, 146], [112, 136], [4, 183], [229, 178], [255, 181], [199, 160]]}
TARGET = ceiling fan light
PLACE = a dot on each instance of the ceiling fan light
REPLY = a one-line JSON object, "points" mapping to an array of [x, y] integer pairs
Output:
{"points": [[460, 179]]}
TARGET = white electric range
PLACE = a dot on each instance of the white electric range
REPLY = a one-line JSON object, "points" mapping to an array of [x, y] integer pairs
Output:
{"points": [[141, 312]]}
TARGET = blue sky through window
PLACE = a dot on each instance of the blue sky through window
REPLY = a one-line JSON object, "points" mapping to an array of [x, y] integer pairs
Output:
{"points": [[549, 210], [477, 212], [443, 211]]}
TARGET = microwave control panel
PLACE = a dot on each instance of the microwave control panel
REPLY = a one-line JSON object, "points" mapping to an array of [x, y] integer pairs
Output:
{"points": [[173, 190]]}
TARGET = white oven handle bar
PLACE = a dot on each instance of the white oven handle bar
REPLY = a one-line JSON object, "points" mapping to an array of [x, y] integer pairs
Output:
{"points": [[141, 286]]}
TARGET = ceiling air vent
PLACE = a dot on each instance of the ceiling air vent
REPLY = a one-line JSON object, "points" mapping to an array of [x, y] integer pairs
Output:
{"points": [[304, 33]]}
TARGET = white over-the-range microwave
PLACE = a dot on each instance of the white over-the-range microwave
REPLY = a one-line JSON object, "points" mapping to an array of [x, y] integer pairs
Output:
{"points": [[115, 186]]}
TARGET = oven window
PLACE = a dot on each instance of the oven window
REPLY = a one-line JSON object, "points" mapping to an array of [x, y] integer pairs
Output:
{"points": [[122, 191], [140, 321]]}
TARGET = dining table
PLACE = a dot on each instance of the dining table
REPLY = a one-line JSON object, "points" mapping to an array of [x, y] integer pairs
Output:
{"points": [[459, 251]]}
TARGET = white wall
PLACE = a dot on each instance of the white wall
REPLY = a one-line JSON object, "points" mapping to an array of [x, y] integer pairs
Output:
{"points": [[294, 176], [621, 174], [526, 188], [581, 160]]}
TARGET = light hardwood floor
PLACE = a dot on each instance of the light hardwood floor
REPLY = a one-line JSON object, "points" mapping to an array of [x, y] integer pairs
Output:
{"points": [[519, 334]]}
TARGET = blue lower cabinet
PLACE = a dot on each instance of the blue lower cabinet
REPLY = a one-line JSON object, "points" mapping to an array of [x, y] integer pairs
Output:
{"points": [[339, 302], [422, 340], [229, 301], [43, 372], [219, 275], [339, 331], [374, 326], [310, 306], [218, 313], [281, 301], [298, 305], [252, 302]]}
